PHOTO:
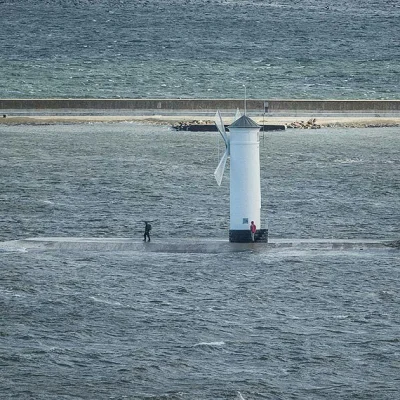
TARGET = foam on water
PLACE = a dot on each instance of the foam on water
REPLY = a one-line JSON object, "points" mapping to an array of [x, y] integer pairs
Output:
{"points": [[108, 302], [211, 344]]}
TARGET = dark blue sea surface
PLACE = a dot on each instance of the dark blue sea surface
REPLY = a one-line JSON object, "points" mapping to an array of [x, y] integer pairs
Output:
{"points": [[320, 49], [283, 323]]}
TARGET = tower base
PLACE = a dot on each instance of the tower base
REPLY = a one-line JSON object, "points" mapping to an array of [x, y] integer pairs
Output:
{"points": [[244, 236]]}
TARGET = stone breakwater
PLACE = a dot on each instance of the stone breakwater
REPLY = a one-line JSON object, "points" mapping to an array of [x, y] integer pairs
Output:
{"points": [[203, 105], [179, 113]]}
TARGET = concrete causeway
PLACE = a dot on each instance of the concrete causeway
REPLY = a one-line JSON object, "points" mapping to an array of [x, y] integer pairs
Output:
{"points": [[190, 245]]}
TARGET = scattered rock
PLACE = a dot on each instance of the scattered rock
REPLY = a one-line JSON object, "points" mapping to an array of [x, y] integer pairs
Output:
{"points": [[182, 125], [310, 124]]}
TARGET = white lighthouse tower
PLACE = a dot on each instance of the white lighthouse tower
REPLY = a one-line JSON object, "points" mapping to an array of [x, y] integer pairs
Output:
{"points": [[243, 147]]}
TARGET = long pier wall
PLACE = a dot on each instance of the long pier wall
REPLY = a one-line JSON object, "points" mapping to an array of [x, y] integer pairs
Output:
{"points": [[161, 106]]}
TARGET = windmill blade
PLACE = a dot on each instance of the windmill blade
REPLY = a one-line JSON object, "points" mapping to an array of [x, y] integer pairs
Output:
{"points": [[237, 115], [221, 128], [219, 171]]}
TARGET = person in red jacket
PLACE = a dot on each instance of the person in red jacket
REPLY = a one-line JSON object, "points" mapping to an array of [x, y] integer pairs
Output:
{"points": [[253, 229]]}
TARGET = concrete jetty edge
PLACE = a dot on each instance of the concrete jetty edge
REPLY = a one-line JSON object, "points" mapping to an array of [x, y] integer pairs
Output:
{"points": [[192, 245]]}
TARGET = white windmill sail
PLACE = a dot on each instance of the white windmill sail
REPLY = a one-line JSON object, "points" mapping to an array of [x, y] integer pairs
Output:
{"points": [[219, 171], [237, 115], [221, 128]]}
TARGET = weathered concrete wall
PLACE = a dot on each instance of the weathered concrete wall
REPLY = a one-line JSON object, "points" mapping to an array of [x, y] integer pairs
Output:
{"points": [[204, 105], [124, 104], [335, 105]]}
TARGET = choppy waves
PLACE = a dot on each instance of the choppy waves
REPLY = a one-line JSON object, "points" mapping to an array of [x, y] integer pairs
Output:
{"points": [[279, 49], [290, 323]]}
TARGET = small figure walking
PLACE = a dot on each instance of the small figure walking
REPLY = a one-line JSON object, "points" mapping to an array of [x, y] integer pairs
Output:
{"points": [[253, 229], [147, 230]]}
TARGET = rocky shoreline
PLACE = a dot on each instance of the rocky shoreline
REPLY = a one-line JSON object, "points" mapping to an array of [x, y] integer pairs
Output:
{"points": [[311, 123], [314, 124]]}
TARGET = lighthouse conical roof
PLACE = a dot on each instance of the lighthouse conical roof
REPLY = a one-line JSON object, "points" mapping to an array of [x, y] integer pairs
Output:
{"points": [[244, 122]]}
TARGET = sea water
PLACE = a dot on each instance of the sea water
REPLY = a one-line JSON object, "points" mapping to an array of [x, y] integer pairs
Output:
{"points": [[319, 49], [295, 323], [290, 323]]}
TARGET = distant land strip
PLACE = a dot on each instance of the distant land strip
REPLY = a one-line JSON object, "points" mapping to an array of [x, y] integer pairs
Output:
{"points": [[161, 106]]}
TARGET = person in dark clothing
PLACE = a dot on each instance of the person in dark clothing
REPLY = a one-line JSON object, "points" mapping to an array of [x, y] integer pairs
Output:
{"points": [[147, 230]]}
